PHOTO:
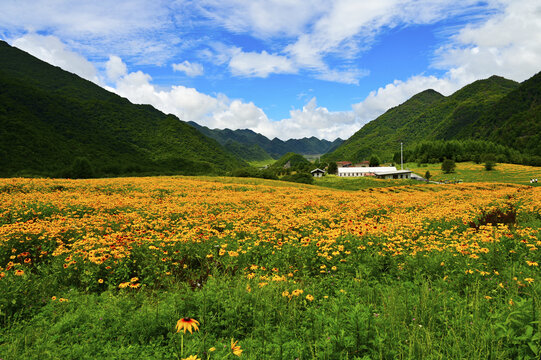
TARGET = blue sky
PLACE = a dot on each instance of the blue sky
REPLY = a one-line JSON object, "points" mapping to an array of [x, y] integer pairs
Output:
{"points": [[284, 68]]}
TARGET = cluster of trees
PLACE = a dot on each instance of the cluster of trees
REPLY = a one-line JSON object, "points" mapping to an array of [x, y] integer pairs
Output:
{"points": [[478, 151]]}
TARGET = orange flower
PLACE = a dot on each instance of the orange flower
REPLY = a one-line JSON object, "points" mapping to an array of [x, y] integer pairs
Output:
{"points": [[235, 348], [187, 324], [19, 272]]}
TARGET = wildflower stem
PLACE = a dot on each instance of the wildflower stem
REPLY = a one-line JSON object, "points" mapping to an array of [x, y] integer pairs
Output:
{"points": [[181, 345]]}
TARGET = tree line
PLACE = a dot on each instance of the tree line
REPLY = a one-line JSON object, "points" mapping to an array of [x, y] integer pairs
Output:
{"points": [[478, 151]]}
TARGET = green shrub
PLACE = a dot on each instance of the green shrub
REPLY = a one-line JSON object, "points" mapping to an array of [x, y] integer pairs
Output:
{"points": [[448, 166]]}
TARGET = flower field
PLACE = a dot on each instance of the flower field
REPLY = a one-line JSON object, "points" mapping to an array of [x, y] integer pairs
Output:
{"points": [[431, 271]]}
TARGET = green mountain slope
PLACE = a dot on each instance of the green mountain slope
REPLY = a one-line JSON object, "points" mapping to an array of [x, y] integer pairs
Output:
{"points": [[291, 160], [276, 148], [515, 120], [383, 135], [426, 116], [246, 152], [49, 117]]}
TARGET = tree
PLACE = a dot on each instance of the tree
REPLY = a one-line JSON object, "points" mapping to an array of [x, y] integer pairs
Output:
{"points": [[489, 165], [332, 168], [374, 161], [81, 169], [428, 175], [448, 166]]}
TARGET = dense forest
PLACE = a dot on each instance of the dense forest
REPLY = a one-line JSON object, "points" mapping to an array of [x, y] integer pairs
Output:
{"points": [[53, 122]]}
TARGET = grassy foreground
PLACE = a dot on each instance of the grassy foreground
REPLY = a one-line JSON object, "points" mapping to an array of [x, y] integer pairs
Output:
{"points": [[105, 268]]}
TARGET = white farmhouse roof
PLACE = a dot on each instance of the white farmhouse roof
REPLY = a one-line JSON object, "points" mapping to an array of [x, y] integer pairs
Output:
{"points": [[364, 170], [396, 172]]}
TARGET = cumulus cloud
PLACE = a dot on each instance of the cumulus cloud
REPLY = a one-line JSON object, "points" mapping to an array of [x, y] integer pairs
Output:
{"points": [[317, 121], [190, 69], [115, 68], [260, 64], [508, 44], [222, 112], [50, 49]]}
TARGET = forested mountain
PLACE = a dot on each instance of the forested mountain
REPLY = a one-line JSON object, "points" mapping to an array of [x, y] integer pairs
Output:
{"points": [[496, 110], [50, 117], [515, 120], [381, 136], [275, 147]]}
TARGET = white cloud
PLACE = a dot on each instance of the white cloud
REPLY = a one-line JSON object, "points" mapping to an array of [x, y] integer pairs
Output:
{"points": [[263, 18], [139, 28], [221, 112], [190, 69], [316, 121], [50, 49], [115, 68], [260, 64], [508, 44]]}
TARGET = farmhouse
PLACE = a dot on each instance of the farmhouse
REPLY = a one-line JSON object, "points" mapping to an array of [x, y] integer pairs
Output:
{"points": [[381, 172], [317, 172], [343, 164]]}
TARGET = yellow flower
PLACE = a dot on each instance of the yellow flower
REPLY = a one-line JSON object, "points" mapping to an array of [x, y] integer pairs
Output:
{"points": [[285, 293], [53, 298], [192, 357], [19, 272], [100, 281], [134, 279], [309, 297], [222, 252], [187, 324], [212, 349], [235, 348], [529, 280], [532, 263]]}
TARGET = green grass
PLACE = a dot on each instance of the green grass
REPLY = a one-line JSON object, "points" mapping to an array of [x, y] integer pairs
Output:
{"points": [[262, 163], [360, 183], [471, 172]]}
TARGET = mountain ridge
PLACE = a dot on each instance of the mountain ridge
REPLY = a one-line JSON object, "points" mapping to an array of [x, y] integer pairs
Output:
{"points": [[275, 147], [472, 112]]}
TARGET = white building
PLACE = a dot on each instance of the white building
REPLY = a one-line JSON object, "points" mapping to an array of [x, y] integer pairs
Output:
{"points": [[381, 172]]}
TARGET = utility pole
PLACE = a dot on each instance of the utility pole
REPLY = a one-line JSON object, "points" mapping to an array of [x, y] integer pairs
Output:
{"points": [[401, 158]]}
